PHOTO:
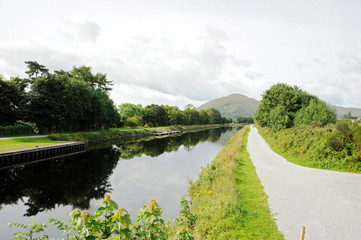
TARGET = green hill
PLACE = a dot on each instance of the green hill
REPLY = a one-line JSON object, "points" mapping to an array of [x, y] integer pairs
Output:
{"points": [[233, 106], [236, 105], [341, 111]]}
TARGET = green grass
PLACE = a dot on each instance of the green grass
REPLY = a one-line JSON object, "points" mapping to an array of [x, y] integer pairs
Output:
{"points": [[228, 199], [306, 145], [19, 143]]}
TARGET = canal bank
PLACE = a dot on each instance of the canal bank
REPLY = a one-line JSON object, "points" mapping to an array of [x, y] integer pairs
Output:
{"points": [[121, 134], [26, 155], [132, 172]]}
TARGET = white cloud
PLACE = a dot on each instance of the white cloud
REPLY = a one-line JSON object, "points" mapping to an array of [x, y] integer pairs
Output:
{"points": [[352, 59], [81, 28], [187, 52]]}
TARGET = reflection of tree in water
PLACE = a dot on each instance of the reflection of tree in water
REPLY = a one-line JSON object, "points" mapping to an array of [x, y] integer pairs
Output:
{"points": [[76, 180], [73, 180], [158, 146]]}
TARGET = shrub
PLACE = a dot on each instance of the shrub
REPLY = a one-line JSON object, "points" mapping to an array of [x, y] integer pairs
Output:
{"points": [[16, 130]]}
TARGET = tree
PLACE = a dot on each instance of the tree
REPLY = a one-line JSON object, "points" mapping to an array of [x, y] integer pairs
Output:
{"points": [[245, 120], [46, 103], [155, 115], [349, 116], [129, 110], [191, 116], [317, 111], [279, 118], [12, 97], [204, 117], [63, 101], [278, 95], [214, 115], [283, 106], [35, 69], [175, 116], [97, 81]]}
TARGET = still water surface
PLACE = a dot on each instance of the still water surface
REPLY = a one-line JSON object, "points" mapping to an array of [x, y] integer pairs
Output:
{"points": [[133, 172]]}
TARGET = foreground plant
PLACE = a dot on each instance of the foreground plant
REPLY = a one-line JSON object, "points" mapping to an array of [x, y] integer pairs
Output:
{"points": [[29, 229], [112, 222]]}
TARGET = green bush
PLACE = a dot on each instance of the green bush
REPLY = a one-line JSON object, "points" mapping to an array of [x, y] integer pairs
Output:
{"points": [[16, 130]]}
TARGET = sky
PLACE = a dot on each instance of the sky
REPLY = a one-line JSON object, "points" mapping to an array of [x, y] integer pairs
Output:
{"points": [[179, 52]]}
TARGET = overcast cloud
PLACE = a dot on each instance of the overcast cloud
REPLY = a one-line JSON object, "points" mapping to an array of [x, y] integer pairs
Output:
{"points": [[191, 51]]}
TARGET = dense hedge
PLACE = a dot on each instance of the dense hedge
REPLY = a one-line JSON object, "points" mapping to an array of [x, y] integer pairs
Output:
{"points": [[15, 130]]}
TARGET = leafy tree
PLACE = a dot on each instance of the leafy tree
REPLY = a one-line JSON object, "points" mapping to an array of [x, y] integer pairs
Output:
{"points": [[204, 117], [245, 120], [317, 111], [214, 115], [349, 116], [278, 95], [35, 69], [155, 115], [282, 106], [12, 96], [175, 116], [191, 116], [71, 101], [279, 118], [129, 110], [97, 81], [46, 103]]}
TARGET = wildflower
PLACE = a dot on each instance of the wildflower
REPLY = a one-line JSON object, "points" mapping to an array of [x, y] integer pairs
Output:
{"points": [[85, 214], [74, 212], [119, 211], [153, 202], [107, 197]]}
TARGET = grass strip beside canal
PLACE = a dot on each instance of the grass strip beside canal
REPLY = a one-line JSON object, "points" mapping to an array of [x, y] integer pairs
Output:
{"points": [[20, 143], [228, 199]]}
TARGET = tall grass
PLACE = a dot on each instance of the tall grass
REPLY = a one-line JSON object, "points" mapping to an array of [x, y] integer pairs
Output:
{"points": [[228, 199], [318, 147]]}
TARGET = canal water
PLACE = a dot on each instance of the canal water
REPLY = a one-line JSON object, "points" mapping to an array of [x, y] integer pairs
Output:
{"points": [[132, 172]]}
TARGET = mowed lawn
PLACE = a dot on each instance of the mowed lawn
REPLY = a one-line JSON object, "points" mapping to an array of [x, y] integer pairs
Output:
{"points": [[19, 143]]}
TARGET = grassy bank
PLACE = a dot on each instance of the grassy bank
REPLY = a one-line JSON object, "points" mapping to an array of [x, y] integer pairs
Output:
{"points": [[228, 199], [117, 133], [333, 147], [19, 143]]}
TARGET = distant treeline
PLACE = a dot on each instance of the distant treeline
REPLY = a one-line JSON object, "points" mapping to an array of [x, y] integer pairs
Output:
{"points": [[78, 100], [159, 115]]}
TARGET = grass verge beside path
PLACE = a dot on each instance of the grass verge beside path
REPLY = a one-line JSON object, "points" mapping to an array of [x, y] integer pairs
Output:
{"points": [[307, 146], [228, 199], [19, 143]]}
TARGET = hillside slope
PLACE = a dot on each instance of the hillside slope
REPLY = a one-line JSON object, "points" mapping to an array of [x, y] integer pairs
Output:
{"points": [[341, 111], [236, 105], [233, 106]]}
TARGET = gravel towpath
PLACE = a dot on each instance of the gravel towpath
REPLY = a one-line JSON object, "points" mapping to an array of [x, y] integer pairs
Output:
{"points": [[327, 203]]}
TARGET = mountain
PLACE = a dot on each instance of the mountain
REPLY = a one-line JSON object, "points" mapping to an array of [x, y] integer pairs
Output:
{"points": [[341, 111], [233, 106], [236, 105]]}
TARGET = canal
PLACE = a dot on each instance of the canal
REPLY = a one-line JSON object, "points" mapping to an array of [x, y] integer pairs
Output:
{"points": [[132, 172]]}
